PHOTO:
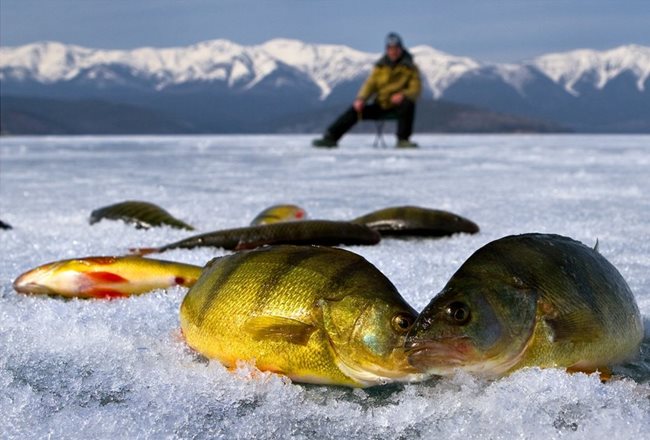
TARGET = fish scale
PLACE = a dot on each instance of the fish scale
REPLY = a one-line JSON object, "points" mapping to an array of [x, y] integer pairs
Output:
{"points": [[315, 314], [274, 280], [248, 292], [528, 300], [142, 214], [416, 221], [279, 213], [317, 232]]}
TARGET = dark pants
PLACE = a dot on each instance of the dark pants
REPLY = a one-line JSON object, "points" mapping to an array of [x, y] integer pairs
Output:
{"points": [[404, 113]]}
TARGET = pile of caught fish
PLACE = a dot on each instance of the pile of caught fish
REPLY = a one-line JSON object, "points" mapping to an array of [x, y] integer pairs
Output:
{"points": [[319, 314]]}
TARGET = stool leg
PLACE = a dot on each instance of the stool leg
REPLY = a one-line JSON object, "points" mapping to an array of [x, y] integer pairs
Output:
{"points": [[379, 138]]}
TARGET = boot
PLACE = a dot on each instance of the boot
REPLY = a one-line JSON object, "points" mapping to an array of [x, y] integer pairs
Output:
{"points": [[405, 143], [324, 142]]}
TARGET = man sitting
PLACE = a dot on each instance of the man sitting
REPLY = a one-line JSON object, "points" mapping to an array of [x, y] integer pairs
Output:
{"points": [[394, 86]]}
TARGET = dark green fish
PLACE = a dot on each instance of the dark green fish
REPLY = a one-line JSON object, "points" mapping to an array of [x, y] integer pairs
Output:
{"points": [[318, 232], [416, 221], [144, 215], [528, 300]]}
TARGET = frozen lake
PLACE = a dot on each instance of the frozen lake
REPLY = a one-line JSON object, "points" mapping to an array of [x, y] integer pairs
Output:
{"points": [[118, 369]]}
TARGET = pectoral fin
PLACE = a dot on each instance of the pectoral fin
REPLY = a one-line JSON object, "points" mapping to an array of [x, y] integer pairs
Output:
{"points": [[105, 277], [244, 245], [279, 328], [143, 251], [577, 327], [604, 373]]}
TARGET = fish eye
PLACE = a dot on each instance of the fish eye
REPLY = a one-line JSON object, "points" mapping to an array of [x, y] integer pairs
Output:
{"points": [[402, 322], [458, 313]]}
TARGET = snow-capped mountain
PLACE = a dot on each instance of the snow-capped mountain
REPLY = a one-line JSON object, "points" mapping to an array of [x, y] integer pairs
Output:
{"points": [[327, 65], [218, 60], [557, 86], [599, 68]]}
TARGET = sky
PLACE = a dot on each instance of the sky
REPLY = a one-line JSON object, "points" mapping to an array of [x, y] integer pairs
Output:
{"points": [[487, 30]]}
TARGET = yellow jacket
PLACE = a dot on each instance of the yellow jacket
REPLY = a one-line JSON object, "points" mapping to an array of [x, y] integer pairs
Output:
{"points": [[387, 79]]}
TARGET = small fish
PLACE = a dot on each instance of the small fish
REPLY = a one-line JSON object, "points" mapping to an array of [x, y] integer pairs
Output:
{"points": [[315, 314], [4, 225], [144, 215], [528, 300], [279, 213], [317, 232], [416, 221], [105, 277]]}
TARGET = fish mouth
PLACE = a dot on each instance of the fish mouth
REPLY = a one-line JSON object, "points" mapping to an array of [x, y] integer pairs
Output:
{"points": [[31, 283], [30, 287], [369, 374], [438, 356]]}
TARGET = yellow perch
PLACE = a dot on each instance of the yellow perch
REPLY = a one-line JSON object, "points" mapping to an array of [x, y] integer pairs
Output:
{"points": [[528, 300], [417, 222], [143, 215], [315, 314], [280, 213], [105, 277]]}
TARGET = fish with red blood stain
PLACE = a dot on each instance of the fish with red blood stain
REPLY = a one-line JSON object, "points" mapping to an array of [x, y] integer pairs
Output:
{"points": [[280, 213], [105, 277]]}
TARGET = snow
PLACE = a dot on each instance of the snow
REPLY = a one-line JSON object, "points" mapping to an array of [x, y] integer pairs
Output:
{"points": [[570, 67], [118, 369], [50, 62], [327, 64], [439, 69], [515, 75]]}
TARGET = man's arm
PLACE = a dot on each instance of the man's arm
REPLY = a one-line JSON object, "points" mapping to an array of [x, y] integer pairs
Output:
{"points": [[414, 86], [369, 87]]}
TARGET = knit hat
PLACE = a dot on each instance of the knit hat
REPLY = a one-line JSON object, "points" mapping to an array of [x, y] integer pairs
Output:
{"points": [[393, 39]]}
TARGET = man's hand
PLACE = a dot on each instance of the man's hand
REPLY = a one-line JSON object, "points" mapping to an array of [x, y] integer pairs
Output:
{"points": [[397, 98], [358, 105]]}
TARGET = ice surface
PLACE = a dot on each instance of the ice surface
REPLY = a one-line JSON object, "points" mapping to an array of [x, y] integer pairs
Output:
{"points": [[118, 369]]}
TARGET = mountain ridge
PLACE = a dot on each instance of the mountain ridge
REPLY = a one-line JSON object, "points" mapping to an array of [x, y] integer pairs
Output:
{"points": [[207, 61], [584, 90]]}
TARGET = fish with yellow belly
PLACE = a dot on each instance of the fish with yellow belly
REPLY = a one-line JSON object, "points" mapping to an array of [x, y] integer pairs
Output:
{"points": [[528, 300], [278, 214], [315, 314], [105, 277]]}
